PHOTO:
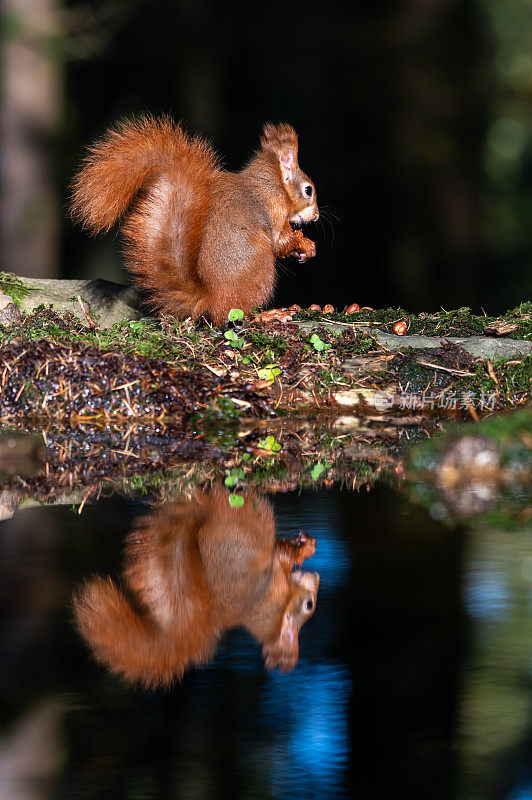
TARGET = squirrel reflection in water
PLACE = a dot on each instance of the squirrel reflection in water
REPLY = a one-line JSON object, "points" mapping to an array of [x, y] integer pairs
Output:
{"points": [[194, 568]]}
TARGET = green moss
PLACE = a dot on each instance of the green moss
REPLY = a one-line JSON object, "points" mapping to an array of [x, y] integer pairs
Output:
{"points": [[514, 377], [507, 426], [413, 376], [223, 411], [457, 322], [143, 337], [12, 285], [275, 345], [141, 485], [219, 423]]}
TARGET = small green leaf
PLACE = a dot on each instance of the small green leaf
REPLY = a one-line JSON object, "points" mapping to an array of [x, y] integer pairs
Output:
{"points": [[246, 361], [269, 372], [318, 469], [317, 343], [233, 476], [236, 500], [233, 339], [270, 444], [246, 456], [234, 314]]}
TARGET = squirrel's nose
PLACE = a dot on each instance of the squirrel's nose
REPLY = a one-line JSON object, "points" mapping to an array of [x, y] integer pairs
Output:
{"points": [[309, 580]]}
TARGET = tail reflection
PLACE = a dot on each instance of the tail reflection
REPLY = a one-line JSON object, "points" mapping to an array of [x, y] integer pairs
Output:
{"points": [[194, 568]]}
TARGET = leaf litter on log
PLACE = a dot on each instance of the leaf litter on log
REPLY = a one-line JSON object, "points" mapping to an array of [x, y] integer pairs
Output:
{"points": [[44, 378]]}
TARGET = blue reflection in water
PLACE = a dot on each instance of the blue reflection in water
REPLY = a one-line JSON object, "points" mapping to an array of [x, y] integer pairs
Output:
{"points": [[485, 594], [522, 792], [308, 713]]}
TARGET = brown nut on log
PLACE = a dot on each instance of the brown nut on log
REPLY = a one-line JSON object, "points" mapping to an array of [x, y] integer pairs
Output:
{"points": [[328, 309], [314, 307], [354, 308], [274, 315], [400, 328]]}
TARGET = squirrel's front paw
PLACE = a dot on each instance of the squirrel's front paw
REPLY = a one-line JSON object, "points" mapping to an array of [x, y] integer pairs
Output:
{"points": [[305, 544], [305, 249]]}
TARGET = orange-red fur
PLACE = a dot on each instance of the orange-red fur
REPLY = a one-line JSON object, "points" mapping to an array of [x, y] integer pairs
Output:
{"points": [[193, 569], [200, 240]]}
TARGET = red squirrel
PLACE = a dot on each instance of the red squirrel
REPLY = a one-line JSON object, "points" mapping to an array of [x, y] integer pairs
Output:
{"points": [[194, 568], [199, 239]]}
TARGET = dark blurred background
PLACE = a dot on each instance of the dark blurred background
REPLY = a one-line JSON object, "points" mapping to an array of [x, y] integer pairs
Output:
{"points": [[415, 122]]}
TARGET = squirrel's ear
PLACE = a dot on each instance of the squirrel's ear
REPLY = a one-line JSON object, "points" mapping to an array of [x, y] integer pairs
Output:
{"points": [[282, 141], [283, 651], [289, 632], [288, 164]]}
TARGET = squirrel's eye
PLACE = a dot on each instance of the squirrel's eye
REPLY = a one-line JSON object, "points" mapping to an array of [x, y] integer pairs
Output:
{"points": [[309, 605], [308, 190]]}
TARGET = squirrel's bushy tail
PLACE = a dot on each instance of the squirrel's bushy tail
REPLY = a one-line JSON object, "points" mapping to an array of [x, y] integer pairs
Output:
{"points": [[130, 643], [159, 181], [125, 160]]}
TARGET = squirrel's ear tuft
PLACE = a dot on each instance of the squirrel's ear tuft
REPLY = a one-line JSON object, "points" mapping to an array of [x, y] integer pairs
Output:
{"points": [[282, 141]]}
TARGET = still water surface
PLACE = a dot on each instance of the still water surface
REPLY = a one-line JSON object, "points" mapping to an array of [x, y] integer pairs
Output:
{"points": [[414, 675]]}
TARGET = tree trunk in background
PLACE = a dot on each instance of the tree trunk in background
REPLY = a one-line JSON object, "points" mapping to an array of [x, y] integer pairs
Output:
{"points": [[30, 101]]}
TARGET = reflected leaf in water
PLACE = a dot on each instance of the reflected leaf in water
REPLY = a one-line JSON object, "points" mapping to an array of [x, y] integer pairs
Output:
{"points": [[194, 568]]}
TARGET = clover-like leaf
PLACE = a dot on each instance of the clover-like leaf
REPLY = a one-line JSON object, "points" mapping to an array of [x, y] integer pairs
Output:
{"points": [[318, 344], [269, 372], [270, 444], [318, 469], [233, 476], [233, 339]]}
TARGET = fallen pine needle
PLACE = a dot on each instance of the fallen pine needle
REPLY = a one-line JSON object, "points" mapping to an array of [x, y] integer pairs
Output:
{"points": [[86, 313], [491, 372], [446, 369], [87, 493]]}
